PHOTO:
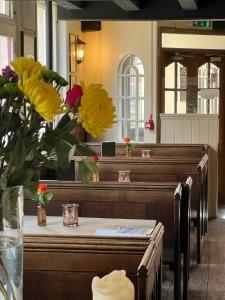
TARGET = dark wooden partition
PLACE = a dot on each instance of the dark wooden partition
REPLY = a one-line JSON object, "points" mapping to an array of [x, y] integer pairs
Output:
{"points": [[159, 150], [162, 170], [59, 267], [160, 201]]}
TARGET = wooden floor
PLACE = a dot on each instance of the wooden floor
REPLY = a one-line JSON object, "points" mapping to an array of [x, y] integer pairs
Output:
{"points": [[207, 280]]}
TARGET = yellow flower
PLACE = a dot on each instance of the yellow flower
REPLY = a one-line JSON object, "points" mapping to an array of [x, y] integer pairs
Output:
{"points": [[43, 96], [26, 67], [96, 111]]}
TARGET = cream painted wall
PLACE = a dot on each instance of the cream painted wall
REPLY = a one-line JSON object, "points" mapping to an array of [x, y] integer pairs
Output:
{"points": [[105, 49]]}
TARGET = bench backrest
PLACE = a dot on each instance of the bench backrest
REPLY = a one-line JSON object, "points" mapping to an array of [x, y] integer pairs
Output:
{"points": [[158, 150], [158, 201]]}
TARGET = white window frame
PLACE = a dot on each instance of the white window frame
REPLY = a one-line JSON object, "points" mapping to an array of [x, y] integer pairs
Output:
{"points": [[120, 98], [10, 16], [41, 39]]}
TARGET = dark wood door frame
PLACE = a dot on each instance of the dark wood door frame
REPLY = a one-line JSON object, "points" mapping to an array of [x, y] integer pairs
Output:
{"points": [[160, 105]]}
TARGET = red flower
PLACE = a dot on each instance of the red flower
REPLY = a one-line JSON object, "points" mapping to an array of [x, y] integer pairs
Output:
{"points": [[95, 157], [42, 187], [73, 95], [127, 139]]}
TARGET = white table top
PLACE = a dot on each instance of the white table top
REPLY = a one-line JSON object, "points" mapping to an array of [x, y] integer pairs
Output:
{"points": [[87, 226]]}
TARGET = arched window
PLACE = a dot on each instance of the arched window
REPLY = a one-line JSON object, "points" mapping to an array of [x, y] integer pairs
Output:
{"points": [[131, 98]]}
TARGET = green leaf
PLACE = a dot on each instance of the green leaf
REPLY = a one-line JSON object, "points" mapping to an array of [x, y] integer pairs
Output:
{"points": [[85, 173], [33, 195], [72, 152], [18, 155], [63, 121], [3, 182], [62, 151], [48, 196]]}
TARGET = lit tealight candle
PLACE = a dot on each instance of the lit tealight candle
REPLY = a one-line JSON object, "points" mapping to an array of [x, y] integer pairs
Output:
{"points": [[114, 286]]}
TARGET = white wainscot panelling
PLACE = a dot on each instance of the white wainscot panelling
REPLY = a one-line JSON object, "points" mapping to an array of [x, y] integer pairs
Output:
{"points": [[196, 129]]}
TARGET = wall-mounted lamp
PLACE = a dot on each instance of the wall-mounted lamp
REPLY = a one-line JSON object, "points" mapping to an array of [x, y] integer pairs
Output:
{"points": [[79, 50], [76, 56]]}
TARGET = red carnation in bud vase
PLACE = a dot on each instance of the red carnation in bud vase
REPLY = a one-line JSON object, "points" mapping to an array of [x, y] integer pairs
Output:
{"points": [[127, 139], [42, 188], [129, 146], [73, 95]]}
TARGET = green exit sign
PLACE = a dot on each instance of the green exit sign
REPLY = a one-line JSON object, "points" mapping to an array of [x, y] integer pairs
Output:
{"points": [[202, 24]]}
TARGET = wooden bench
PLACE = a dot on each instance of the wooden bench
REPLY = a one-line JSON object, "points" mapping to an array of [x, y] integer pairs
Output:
{"points": [[160, 201], [164, 170], [61, 266]]}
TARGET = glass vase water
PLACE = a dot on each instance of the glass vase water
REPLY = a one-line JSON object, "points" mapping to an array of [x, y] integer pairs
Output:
{"points": [[11, 251]]}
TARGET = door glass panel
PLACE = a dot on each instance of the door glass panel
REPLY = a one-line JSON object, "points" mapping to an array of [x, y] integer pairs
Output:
{"points": [[6, 51], [181, 102], [214, 106], [181, 76], [203, 76], [214, 76], [169, 102], [170, 76]]}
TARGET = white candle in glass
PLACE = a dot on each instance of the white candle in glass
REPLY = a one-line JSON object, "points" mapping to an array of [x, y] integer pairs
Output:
{"points": [[114, 286]]}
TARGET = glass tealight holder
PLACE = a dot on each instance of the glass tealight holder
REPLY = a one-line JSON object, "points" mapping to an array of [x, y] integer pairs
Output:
{"points": [[146, 153], [124, 176], [70, 214]]}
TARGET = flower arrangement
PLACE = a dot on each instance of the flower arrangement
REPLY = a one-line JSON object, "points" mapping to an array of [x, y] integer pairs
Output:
{"points": [[30, 103], [129, 145], [29, 100]]}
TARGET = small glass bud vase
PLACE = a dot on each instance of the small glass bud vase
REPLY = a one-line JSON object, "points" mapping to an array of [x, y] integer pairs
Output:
{"points": [[95, 177], [146, 153], [124, 176], [129, 152], [41, 215], [70, 215]]}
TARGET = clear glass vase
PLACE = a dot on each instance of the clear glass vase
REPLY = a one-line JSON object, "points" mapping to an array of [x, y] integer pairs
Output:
{"points": [[11, 251], [129, 152]]}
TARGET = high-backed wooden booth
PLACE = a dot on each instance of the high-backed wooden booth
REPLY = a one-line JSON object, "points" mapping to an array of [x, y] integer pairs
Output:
{"points": [[62, 267]]}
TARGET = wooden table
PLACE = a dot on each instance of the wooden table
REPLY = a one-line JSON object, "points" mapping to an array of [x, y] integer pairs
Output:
{"points": [[60, 262]]}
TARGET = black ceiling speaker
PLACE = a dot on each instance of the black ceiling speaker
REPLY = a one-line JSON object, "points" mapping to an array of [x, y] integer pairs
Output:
{"points": [[87, 26]]}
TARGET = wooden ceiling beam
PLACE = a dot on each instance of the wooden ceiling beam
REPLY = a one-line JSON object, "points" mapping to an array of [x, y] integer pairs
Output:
{"points": [[128, 5], [71, 4], [189, 4], [151, 10]]}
